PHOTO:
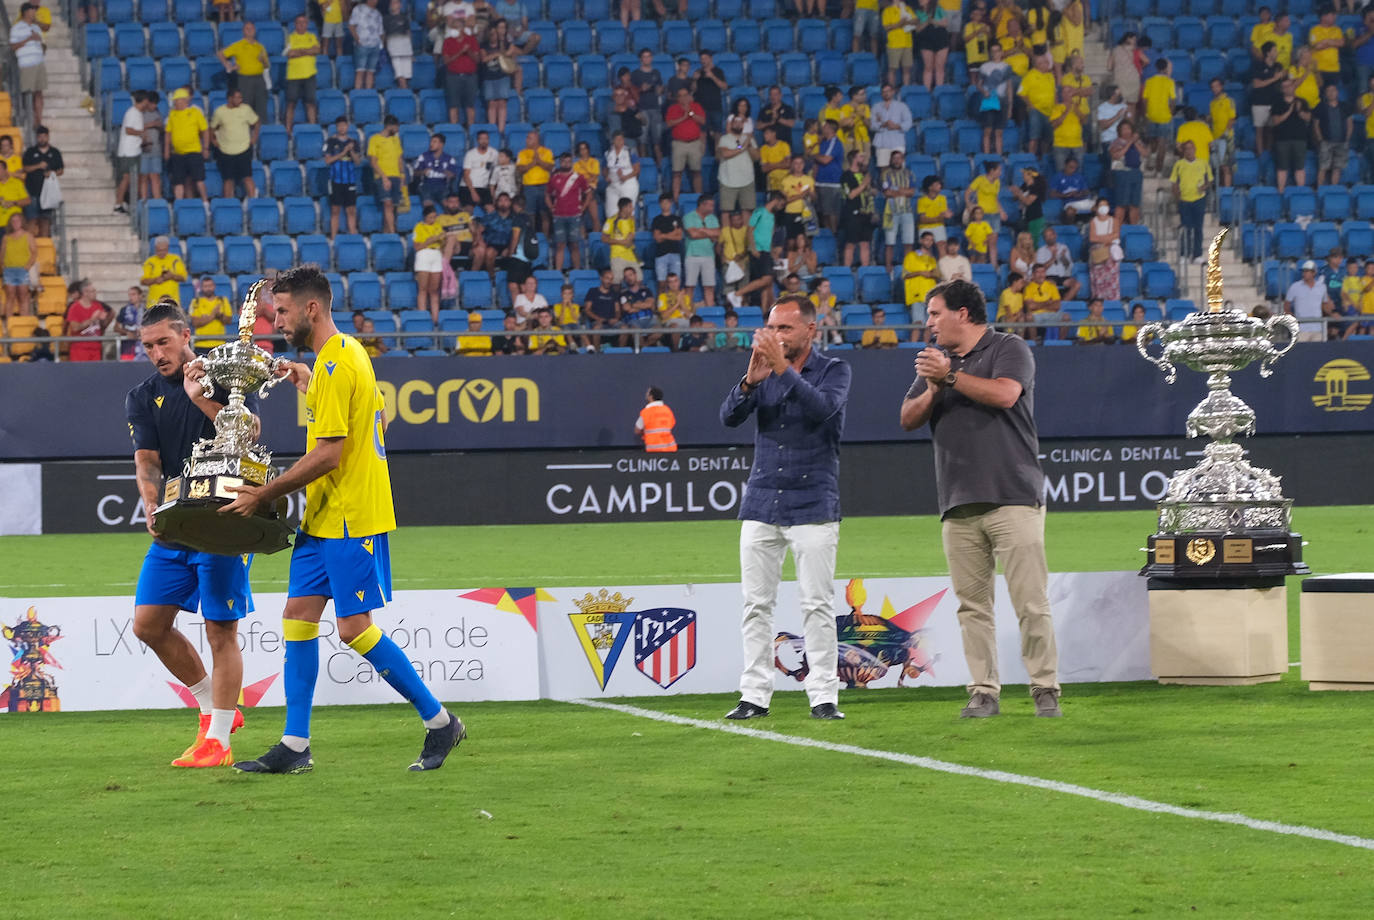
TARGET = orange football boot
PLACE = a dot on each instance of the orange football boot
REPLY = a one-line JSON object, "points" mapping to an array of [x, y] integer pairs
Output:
{"points": [[210, 753], [205, 727]]}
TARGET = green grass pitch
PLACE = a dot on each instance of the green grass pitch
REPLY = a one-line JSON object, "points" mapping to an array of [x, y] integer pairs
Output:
{"points": [[555, 810]]}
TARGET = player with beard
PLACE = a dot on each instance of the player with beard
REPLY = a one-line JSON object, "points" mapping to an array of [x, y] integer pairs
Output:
{"points": [[168, 413], [341, 550]]}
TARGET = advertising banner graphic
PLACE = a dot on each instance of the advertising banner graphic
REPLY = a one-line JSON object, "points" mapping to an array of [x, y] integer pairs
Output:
{"points": [[81, 653], [434, 404], [21, 507]]}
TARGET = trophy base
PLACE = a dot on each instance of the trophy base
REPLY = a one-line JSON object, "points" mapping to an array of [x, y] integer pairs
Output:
{"points": [[191, 516], [1212, 555]]}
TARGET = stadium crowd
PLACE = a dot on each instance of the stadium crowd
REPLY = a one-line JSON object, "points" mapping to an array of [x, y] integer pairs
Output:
{"points": [[576, 250]]}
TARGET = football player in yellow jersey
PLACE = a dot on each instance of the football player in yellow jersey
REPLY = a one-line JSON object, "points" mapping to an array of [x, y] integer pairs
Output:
{"points": [[341, 548]]}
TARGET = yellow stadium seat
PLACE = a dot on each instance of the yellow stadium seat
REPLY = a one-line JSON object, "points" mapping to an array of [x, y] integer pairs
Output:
{"points": [[52, 303], [54, 324], [6, 110], [47, 256], [20, 327], [5, 359]]}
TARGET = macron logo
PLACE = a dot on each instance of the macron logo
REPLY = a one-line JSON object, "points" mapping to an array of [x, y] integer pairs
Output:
{"points": [[329, 366]]}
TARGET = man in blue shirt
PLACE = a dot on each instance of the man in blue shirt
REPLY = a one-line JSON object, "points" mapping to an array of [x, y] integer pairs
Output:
{"points": [[792, 499], [437, 171], [168, 413], [829, 170]]}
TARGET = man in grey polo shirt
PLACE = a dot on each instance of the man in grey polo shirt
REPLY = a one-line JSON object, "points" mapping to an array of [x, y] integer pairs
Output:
{"points": [[975, 390]]}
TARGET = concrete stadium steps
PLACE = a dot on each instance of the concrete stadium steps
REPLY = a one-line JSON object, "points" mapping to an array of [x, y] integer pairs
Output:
{"points": [[107, 248]]}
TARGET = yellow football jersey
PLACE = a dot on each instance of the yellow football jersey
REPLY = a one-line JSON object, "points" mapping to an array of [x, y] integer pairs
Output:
{"points": [[343, 401]]}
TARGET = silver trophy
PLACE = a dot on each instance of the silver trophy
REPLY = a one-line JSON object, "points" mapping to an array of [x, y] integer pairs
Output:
{"points": [[1224, 517], [191, 503]]}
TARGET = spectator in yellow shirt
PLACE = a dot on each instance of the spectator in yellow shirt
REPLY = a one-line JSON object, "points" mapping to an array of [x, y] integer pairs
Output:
{"points": [[1282, 37], [1304, 76], [388, 170], [1039, 90], [897, 20], [245, 61], [209, 313], [863, 114], [775, 156], [920, 270], [932, 209], [1261, 32], [1326, 41], [879, 337], [1011, 305], [1016, 49], [186, 145], [1042, 296], [985, 191], [1222, 112], [1068, 133], [474, 343], [982, 245], [534, 164], [1095, 330], [332, 26], [163, 272], [977, 36], [301, 69], [1195, 131], [14, 196], [1158, 95], [842, 114], [428, 240]]}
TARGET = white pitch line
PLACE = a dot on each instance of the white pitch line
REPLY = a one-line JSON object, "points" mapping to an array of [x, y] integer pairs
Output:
{"points": [[998, 776]]}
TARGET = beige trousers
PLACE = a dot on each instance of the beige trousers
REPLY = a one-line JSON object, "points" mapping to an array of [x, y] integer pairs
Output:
{"points": [[1013, 535]]}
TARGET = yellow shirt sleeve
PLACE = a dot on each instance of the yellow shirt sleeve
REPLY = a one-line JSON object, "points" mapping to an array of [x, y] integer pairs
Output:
{"points": [[333, 397]]}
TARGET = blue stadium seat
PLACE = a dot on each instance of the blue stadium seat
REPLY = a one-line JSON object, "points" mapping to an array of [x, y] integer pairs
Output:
{"points": [[934, 135], [810, 101], [1159, 30], [475, 290], [875, 285], [140, 73], [1265, 204], [1334, 202], [1322, 237], [202, 255], [272, 38], [273, 142], [365, 293], [157, 216], [577, 37], [574, 105], [854, 314], [749, 317], [711, 36], [175, 72], [590, 131], [210, 74], [830, 67], [592, 72], [1159, 280], [301, 215], [278, 252], [732, 65], [746, 36], [610, 36], [240, 255], [364, 106], [414, 141], [796, 69], [678, 36], [763, 68], [226, 216], [332, 103], [842, 283], [644, 34], [1137, 244], [97, 38], [1211, 64], [350, 252], [119, 11], [761, 9], [827, 249], [950, 102], [1289, 241], [1255, 241], [1363, 196], [812, 36], [1299, 201], [1191, 33], [919, 100], [728, 9], [314, 249], [968, 137], [401, 291], [955, 171], [985, 276], [388, 253], [164, 39], [777, 36], [401, 103], [287, 178], [558, 70], [264, 216], [1357, 237], [190, 217], [864, 69], [433, 106], [307, 142], [151, 11]]}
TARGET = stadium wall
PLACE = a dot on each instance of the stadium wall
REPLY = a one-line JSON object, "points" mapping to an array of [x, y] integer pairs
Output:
{"points": [[559, 486], [76, 410]]}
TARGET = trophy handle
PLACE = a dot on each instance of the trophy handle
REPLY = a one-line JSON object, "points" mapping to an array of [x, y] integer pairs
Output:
{"points": [[1143, 337], [207, 385], [1283, 321], [277, 364]]}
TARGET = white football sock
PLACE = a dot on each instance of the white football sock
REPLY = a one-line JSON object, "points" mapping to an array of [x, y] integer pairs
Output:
{"points": [[201, 691], [295, 742], [221, 724], [439, 720]]}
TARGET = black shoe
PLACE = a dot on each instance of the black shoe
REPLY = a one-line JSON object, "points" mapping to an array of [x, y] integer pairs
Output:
{"points": [[747, 710], [826, 711], [438, 743], [280, 759], [120, 209]]}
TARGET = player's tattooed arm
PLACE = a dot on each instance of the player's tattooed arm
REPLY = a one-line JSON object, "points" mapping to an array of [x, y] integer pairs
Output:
{"points": [[148, 473]]}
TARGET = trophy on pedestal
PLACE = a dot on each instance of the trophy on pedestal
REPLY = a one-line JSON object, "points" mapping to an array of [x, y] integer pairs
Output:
{"points": [[1223, 518], [191, 503]]}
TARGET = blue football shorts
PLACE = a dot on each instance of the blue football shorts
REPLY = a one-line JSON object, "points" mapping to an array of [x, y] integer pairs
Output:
{"points": [[354, 571], [217, 585]]}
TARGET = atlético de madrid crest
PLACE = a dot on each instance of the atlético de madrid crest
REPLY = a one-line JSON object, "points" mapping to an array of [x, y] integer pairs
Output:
{"points": [[665, 638]]}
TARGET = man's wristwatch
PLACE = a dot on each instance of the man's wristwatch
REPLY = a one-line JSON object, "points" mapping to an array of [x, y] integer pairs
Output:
{"points": [[950, 378], [744, 385]]}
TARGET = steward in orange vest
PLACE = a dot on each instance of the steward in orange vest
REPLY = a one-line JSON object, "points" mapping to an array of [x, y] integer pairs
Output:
{"points": [[655, 424]]}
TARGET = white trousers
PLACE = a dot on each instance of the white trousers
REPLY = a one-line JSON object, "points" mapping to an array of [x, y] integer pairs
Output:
{"points": [[762, 548]]}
